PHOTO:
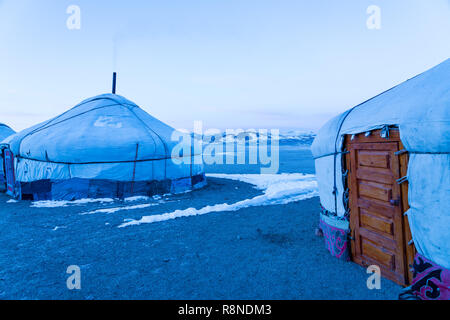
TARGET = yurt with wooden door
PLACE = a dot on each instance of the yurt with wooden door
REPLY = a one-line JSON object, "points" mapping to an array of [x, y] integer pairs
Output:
{"points": [[383, 170], [105, 147], [5, 132]]}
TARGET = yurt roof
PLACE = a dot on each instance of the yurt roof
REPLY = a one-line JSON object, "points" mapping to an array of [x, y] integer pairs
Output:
{"points": [[102, 129], [419, 106]]}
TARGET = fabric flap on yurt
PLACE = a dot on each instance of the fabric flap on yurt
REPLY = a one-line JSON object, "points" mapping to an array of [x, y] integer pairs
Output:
{"points": [[5, 132], [420, 107]]}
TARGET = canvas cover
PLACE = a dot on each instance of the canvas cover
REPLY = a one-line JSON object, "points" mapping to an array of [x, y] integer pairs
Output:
{"points": [[420, 107], [103, 138]]}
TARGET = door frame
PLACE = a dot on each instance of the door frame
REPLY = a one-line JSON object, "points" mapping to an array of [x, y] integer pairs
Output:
{"points": [[403, 158]]}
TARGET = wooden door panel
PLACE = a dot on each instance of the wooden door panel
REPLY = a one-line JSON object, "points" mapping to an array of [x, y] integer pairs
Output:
{"points": [[377, 223], [375, 253], [374, 159], [375, 208], [369, 174], [381, 240], [373, 190]]}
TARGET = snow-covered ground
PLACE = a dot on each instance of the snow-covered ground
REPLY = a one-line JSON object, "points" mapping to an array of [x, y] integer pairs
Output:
{"points": [[277, 189]]}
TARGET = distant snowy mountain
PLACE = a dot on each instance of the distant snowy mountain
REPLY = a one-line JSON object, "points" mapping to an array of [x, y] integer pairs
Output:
{"points": [[285, 137], [297, 136]]}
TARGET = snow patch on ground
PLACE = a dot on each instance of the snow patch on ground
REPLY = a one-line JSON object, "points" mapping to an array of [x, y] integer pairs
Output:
{"points": [[57, 228], [62, 203], [12, 201], [113, 210], [137, 198], [277, 188]]}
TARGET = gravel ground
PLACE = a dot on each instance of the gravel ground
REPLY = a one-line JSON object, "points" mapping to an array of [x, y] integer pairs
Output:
{"points": [[255, 253]]}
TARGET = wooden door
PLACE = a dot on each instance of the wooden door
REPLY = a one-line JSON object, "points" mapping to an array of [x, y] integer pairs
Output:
{"points": [[376, 206]]}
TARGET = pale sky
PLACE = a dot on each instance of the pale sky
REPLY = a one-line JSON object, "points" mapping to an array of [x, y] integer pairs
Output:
{"points": [[230, 63]]}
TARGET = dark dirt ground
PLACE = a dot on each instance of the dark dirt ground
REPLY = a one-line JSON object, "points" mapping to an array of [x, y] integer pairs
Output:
{"points": [[255, 253]]}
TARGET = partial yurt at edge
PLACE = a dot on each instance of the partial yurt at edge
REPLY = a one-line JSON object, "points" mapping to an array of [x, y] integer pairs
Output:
{"points": [[105, 147], [383, 170], [5, 132]]}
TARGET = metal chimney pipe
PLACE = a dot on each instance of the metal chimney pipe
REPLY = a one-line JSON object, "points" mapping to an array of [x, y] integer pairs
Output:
{"points": [[114, 82]]}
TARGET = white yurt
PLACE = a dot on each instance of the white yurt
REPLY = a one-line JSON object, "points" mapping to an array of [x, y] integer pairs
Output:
{"points": [[106, 146], [383, 170]]}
